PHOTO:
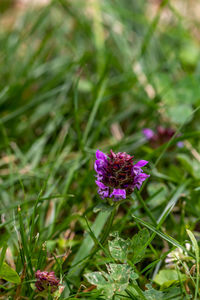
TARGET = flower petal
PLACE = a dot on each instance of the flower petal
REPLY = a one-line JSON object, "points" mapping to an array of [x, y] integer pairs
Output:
{"points": [[103, 190], [180, 145], [100, 184], [143, 176], [101, 155], [141, 163], [118, 194], [148, 133]]}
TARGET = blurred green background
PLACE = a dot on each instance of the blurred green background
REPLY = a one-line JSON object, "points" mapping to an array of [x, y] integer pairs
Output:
{"points": [[77, 75]]}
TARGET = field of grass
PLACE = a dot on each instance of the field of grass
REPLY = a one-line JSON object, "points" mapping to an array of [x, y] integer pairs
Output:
{"points": [[77, 76]]}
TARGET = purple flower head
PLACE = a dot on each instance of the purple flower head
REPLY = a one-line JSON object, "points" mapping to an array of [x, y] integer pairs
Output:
{"points": [[160, 136], [46, 280], [117, 175]]}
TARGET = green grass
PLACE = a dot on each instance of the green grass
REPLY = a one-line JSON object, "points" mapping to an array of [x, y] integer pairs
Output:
{"points": [[77, 76]]}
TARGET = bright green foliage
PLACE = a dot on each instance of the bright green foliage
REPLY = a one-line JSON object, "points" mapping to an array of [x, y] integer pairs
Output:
{"points": [[88, 243], [134, 249], [152, 294], [82, 75], [174, 293], [191, 165], [196, 250], [139, 245], [158, 193], [119, 248], [7, 273], [165, 278], [115, 281]]}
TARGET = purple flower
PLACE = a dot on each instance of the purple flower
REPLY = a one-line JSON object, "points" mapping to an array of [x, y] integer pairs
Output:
{"points": [[117, 175], [46, 280], [148, 133], [160, 136], [180, 144], [118, 194]]}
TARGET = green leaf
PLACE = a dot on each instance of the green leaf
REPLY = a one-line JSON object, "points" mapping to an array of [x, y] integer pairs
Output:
{"points": [[186, 162], [121, 272], [158, 193], [189, 53], [191, 166], [97, 279], [172, 202], [172, 293], [175, 293], [116, 280], [119, 248], [180, 113], [165, 278], [161, 234], [196, 250], [8, 274], [138, 242], [2, 254], [152, 294], [87, 244], [102, 207], [194, 242]]}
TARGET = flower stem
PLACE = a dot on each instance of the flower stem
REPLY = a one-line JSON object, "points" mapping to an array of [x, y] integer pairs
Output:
{"points": [[109, 224]]}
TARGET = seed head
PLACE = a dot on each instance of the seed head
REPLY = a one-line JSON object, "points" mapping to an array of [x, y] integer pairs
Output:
{"points": [[46, 280]]}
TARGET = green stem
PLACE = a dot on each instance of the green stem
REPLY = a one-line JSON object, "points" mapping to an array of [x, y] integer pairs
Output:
{"points": [[109, 225], [104, 236]]}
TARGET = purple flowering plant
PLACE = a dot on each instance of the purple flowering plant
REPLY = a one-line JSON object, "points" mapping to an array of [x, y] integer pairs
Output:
{"points": [[117, 174], [160, 136], [46, 281]]}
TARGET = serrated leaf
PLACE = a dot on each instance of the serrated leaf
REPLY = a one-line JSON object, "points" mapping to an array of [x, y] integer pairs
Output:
{"points": [[166, 278], [114, 234], [138, 242], [121, 272], [116, 280], [8, 274], [96, 278], [119, 248]]}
